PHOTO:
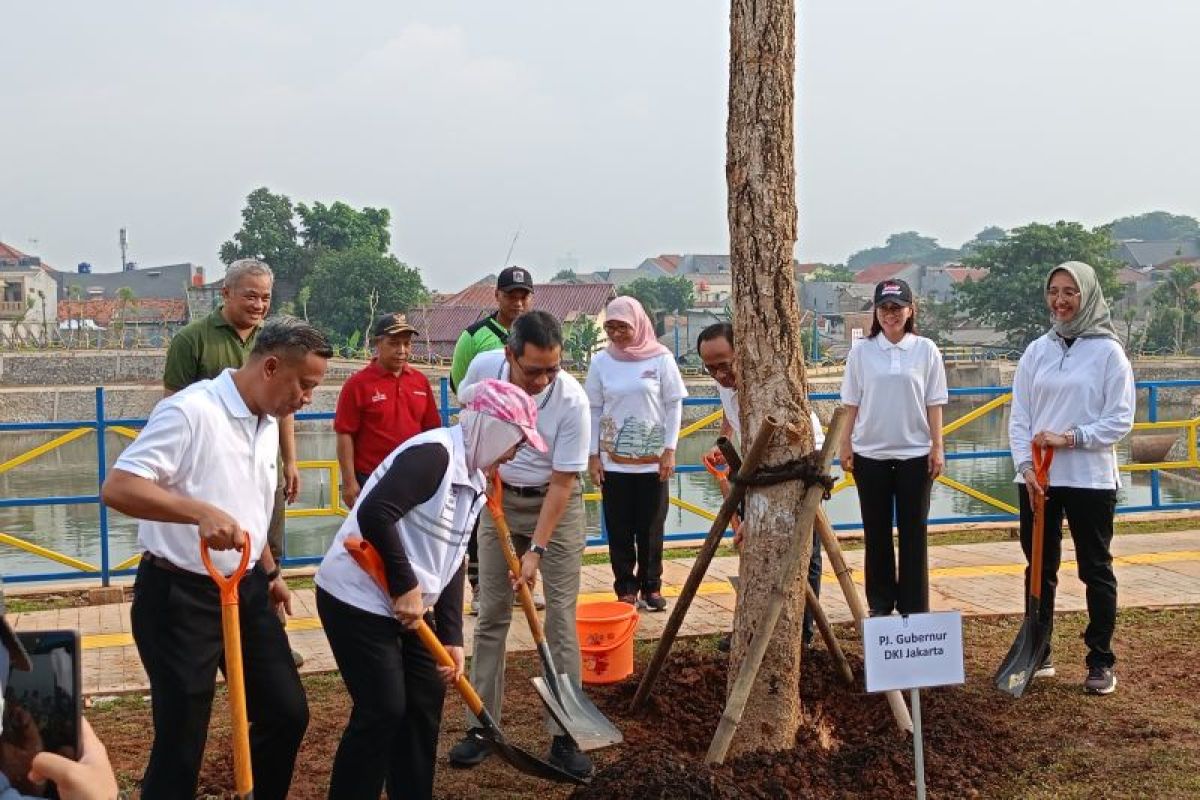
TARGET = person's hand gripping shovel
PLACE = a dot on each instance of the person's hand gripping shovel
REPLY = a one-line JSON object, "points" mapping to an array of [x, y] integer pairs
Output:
{"points": [[235, 683], [1032, 644], [571, 709], [489, 732]]}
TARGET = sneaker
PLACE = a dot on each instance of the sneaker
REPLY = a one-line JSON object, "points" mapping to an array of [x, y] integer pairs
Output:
{"points": [[565, 755], [474, 607], [470, 752], [1046, 670], [628, 598], [654, 601], [1100, 680], [297, 659], [725, 644]]}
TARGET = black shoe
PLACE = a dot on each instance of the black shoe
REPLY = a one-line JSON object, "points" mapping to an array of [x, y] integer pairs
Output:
{"points": [[1100, 680], [654, 601], [470, 752], [565, 755], [726, 643]]}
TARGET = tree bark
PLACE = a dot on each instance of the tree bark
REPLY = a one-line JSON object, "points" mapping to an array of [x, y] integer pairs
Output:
{"points": [[760, 171]]}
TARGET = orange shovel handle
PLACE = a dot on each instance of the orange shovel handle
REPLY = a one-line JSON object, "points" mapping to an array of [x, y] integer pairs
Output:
{"points": [[1042, 458], [227, 586]]}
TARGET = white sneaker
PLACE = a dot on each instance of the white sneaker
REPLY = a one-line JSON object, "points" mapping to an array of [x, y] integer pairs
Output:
{"points": [[1046, 670]]}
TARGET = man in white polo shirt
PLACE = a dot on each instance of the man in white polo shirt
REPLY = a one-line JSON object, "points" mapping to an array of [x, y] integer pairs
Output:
{"points": [[544, 509], [715, 347], [203, 468]]}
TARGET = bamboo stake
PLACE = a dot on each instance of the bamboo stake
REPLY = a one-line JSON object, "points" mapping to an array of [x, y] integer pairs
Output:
{"points": [[799, 550], [833, 551], [831, 642], [707, 550]]}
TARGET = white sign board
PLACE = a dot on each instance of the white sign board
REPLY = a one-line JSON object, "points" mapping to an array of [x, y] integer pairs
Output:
{"points": [[914, 651], [856, 335]]}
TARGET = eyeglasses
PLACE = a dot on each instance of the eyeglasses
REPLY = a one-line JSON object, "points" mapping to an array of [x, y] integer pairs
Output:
{"points": [[1068, 294], [537, 372], [724, 368]]}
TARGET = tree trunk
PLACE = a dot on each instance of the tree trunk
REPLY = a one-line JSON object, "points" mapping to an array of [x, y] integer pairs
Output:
{"points": [[760, 171]]}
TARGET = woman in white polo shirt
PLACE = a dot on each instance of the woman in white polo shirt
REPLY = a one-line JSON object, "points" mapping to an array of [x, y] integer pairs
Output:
{"points": [[894, 390], [636, 395], [1074, 392], [417, 509]]}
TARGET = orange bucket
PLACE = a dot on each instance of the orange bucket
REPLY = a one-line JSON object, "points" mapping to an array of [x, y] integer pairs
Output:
{"points": [[606, 640]]}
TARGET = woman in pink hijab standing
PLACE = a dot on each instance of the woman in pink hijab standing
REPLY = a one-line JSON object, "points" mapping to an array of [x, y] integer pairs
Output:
{"points": [[636, 394]]}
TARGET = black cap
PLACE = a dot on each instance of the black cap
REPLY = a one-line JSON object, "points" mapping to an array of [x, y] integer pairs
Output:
{"points": [[514, 278], [391, 324], [893, 291], [16, 652]]}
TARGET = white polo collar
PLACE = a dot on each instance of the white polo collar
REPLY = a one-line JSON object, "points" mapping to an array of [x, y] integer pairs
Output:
{"points": [[231, 398], [904, 344]]}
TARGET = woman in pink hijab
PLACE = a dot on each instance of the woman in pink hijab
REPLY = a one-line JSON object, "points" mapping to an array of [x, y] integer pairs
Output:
{"points": [[636, 394]]}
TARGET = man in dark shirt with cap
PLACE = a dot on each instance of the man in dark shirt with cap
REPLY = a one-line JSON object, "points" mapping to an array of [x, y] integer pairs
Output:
{"points": [[381, 406]]}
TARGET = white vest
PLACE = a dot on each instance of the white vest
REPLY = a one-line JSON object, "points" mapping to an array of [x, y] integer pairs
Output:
{"points": [[434, 533]]}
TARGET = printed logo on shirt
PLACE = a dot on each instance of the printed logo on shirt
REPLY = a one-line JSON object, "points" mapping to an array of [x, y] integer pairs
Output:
{"points": [[378, 397], [418, 393], [649, 374]]}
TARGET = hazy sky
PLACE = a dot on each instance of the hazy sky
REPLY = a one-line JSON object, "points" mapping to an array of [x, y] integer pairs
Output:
{"points": [[597, 128]]}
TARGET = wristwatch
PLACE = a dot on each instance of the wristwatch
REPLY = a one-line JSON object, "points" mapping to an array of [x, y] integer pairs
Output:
{"points": [[272, 575], [538, 549]]}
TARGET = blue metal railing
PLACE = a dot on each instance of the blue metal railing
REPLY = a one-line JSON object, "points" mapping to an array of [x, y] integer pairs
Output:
{"points": [[102, 424]]}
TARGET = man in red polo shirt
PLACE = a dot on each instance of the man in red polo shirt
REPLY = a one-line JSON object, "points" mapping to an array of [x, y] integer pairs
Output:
{"points": [[381, 405]]}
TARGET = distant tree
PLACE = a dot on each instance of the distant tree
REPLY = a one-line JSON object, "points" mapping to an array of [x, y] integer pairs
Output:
{"points": [[564, 275], [582, 339], [269, 232], [908, 246], [645, 291], [676, 294], [935, 321], [125, 298], [989, 235], [1155, 226], [1174, 323], [832, 273], [1011, 296], [345, 282], [340, 227]]}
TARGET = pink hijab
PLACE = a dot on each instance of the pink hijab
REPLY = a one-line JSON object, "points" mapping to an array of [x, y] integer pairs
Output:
{"points": [[645, 344]]}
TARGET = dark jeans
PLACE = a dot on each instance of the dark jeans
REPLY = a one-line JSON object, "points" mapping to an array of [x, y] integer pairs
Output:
{"points": [[393, 682], [635, 509], [814, 580], [1089, 512], [899, 488], [176, 620]]}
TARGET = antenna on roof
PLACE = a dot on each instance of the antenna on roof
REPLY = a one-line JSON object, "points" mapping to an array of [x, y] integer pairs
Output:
{"points": [[516, 236]]}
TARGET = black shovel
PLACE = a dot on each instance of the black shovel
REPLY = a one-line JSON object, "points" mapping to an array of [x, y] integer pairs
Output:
{"points": [[569, 707], [1032, 644], [488, 733]]}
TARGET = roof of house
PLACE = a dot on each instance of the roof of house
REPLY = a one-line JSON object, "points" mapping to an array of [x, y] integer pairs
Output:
{"points": [[565, 301], [881, 272], [668, 263], [168, 281], [1127, 275], [103, 309], [443, 323], [960, 274], [1152, 254], [807, 269], [703, 263], [10, 253]]}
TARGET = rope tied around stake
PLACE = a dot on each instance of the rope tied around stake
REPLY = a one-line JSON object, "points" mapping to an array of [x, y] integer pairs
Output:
{"points": [[806, 468]]}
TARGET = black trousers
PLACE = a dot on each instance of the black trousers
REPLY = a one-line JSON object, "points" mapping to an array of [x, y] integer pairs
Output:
{"points": [[898, 487], [814, 580], [1090, 515], [393, 682], [176, 619], [635, 510]]}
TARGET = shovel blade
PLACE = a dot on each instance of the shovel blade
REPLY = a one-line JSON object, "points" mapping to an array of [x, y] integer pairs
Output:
{"points": [[1025, 657], [522, 760], [576, 714]]}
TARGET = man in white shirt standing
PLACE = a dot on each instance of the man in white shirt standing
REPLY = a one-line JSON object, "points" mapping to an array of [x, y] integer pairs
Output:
{"points": [[715, 347], [543, 506], [204, 468]]}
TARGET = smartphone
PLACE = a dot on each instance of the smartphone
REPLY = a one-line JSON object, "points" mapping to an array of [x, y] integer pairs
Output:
{"points": [[42, 706]]}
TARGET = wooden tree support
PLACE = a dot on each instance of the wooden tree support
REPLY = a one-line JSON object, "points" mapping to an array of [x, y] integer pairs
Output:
{"points": [[799, 548], [833, 551], [831, 642], [707, 550]]}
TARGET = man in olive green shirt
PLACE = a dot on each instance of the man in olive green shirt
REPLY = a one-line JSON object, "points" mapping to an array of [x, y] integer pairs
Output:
{"points": [[206, 347], [514, 291]]}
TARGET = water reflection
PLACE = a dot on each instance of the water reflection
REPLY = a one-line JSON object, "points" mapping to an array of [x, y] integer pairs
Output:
{"points": [[73, 529]]}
